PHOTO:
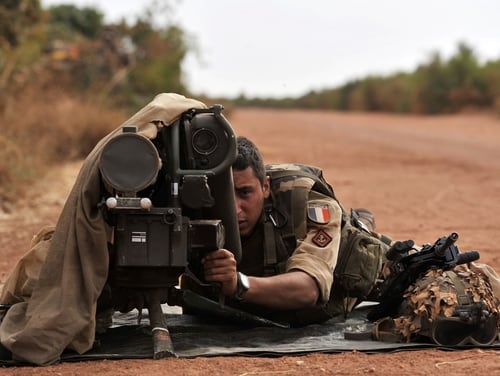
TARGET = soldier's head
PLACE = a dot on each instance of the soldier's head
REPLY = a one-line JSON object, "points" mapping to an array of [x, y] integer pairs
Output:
{"points": [[249, 156], [251, 185]]}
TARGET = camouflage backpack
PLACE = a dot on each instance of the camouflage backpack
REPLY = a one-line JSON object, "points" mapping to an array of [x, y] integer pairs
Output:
{"points": [[361, 252]]}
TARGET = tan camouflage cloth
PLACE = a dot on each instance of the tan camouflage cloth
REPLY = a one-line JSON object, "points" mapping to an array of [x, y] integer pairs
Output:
{"points": [[55, 287], [455, 307]]}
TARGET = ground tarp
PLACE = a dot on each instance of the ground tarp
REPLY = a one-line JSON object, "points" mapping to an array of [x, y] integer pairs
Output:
{"points": [[235, 333], [229, 332]]}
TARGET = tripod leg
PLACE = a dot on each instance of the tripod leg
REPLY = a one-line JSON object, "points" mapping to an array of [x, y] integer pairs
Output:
{"points": [[162, 343]]}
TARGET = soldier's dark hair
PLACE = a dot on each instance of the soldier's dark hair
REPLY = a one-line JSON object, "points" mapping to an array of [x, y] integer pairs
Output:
{"points": [[249, 156]]}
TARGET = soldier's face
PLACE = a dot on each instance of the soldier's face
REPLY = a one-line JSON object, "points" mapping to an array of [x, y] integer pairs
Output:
{"points": [[249, 196]]}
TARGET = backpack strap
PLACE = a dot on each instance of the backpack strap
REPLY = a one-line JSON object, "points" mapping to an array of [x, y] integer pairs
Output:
{"points": [[270, 256], [285, 218], [277, 227]]}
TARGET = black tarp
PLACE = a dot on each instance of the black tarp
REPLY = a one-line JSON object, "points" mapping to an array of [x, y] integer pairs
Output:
{"points": [[227, 332]]}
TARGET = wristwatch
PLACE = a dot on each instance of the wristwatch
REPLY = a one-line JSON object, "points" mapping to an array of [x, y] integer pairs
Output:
{"points": [[242, 286]]}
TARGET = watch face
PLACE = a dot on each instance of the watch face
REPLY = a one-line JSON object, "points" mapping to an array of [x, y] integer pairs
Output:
{"points": [[245, 283]]}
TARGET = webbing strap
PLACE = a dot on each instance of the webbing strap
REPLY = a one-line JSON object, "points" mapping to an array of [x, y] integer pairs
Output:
{"points": [[270, 256], [299, 213], [462, 297], [286, 216]]}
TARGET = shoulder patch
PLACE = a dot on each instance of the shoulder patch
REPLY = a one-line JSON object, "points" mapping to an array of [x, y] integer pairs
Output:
{"points": [[321, 239], [318, 213]]}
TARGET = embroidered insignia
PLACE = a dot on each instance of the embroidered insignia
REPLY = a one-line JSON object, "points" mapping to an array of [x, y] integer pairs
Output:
{"points": [[318, 213], [321, 239]]}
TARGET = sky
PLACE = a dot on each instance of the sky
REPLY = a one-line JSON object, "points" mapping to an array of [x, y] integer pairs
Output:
{"points": [[286, 48]]}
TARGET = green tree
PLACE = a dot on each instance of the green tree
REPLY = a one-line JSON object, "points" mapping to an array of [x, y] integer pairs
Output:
{"points": [[86, 21], [162, 53], [393, 93], [431, 93], [491, 75], [466, 86]]}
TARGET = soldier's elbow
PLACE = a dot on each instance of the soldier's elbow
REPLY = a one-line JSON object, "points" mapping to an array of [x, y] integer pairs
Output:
{"points": [[310, 298]]}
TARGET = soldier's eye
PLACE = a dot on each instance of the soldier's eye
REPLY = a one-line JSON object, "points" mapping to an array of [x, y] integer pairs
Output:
{"points": [[244, 192]]}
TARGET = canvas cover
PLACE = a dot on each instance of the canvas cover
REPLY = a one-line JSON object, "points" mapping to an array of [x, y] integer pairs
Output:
{"points": [[55, 301]]}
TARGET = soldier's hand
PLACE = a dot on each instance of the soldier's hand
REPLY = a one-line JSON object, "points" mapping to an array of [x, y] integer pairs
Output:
{"points": [[220, 266]]}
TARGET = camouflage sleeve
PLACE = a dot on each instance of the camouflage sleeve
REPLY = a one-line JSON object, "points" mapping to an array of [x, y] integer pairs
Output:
{"points": [[317, 253]]}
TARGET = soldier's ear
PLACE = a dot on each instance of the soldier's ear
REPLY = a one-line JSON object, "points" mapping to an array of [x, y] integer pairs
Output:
{"points": [[266, 187]]}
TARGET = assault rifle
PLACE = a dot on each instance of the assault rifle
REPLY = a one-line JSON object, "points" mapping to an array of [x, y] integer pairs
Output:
{"points": [[408, 263]]}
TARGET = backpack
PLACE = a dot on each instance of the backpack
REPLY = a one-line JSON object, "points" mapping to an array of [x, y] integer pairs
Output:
{"points": [[361, 252]]}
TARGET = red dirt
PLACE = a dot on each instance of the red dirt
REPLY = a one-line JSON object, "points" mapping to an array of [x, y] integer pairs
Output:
{"points": [[423, 177]]}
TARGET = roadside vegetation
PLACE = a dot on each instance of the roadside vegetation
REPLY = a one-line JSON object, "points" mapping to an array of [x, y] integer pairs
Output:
{"points": [[67, 78], [437, 86]]}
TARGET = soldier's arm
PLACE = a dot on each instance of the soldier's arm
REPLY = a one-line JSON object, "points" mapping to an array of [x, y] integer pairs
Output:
{"points": [[291, 290], [316, 255], [309, 273]]}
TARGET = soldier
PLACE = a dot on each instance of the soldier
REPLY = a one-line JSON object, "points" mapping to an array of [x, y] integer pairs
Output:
{"points": [[293, 238], [293, 281], [290, 283]]}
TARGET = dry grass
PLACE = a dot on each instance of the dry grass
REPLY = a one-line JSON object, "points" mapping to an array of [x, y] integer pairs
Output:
{"points": [[44, 128]]}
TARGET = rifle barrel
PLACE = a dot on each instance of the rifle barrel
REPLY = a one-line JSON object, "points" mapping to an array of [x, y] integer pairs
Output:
{"points": [[466, 257]]}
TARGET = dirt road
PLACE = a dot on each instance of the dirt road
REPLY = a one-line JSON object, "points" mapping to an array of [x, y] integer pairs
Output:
{"points": [[423, 177]]}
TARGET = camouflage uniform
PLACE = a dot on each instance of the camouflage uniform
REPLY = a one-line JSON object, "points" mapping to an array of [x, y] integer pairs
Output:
{"points": [[312, 248]]}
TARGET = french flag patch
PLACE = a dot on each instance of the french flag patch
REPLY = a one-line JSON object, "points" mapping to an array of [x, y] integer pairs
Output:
{"points": [[318, 213]]}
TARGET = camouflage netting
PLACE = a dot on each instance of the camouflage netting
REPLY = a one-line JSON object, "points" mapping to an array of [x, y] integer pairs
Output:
{"points": [[435, 295]]}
